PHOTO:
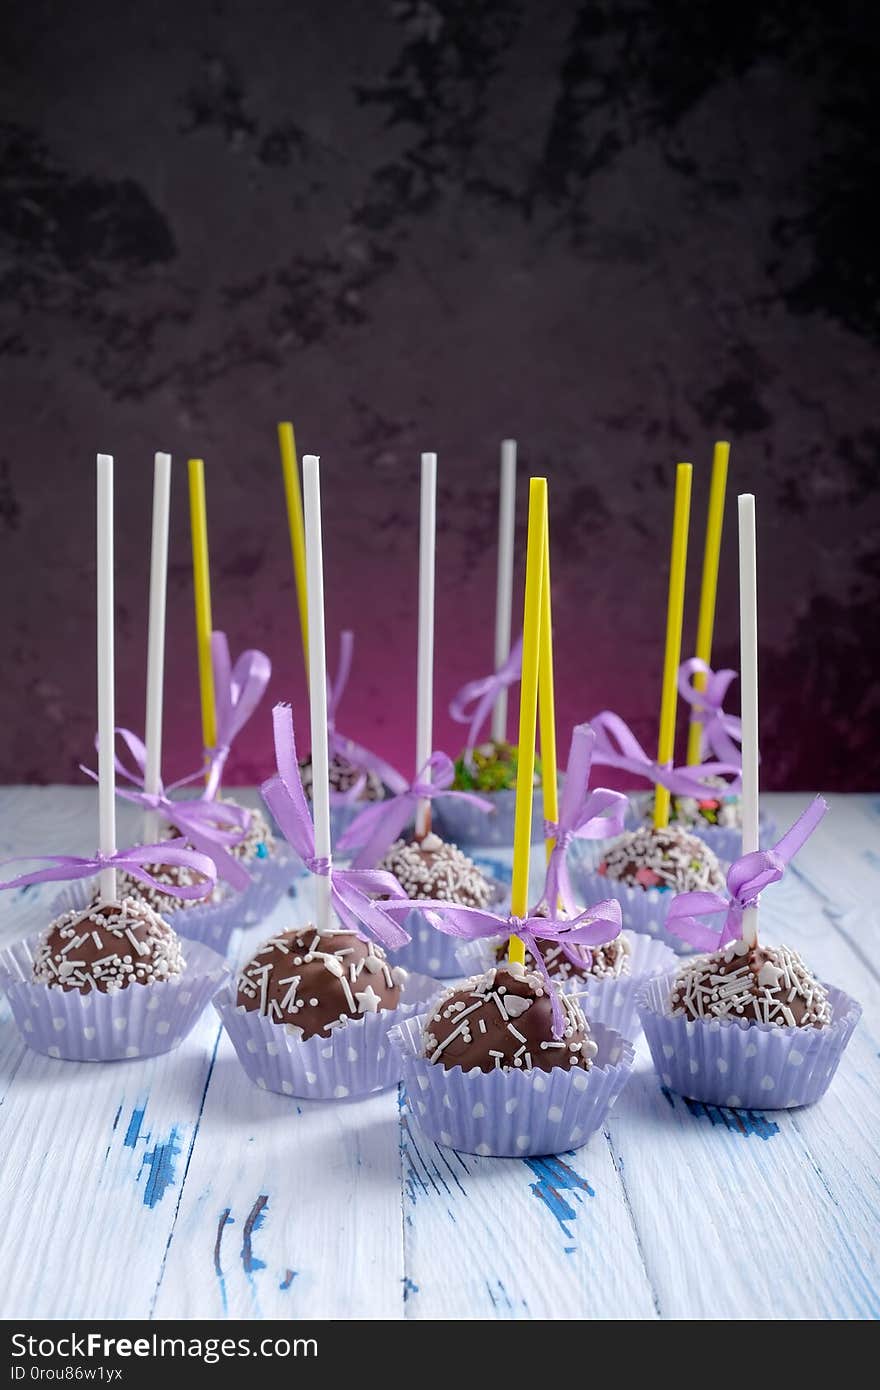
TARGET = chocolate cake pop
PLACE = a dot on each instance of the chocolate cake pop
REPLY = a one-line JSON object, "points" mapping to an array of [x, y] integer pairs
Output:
{"points": [[107, 947], [313, 983], [343, 776], [503, 1019], [431, 868], [667, 858], [761, 984]]}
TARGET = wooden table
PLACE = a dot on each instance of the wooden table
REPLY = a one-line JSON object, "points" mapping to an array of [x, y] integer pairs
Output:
{"points": [[175, 1188]]}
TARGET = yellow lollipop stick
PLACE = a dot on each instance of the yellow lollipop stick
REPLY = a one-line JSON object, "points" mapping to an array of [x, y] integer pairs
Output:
{"points": [[547, 699], [528, 709], [709, 586], [674, 622], [296, 526], [198, 523]]}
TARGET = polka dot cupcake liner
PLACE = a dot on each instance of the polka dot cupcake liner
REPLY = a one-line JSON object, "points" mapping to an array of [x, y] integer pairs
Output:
{"points": [[140, 1021], [511, 1114], [470, 828], [744, 1066], [213, 923], [355, 1060], [611, 1002], [433, 952], [644, 909], [429, 951]]}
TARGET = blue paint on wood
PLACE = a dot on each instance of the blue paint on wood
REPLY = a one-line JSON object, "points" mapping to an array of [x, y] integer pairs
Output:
{"points": [[133, 1133], [160, 1162], [556, 1178], [745, 1122], [255, 1218], [288, 1279], [409, 1288], [225, 1219]]}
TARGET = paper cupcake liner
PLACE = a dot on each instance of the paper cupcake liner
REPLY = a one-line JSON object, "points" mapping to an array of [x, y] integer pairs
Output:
{"points": [[140, 1021], [433, 952], [644, 909], [725, 841], [429, 952], [470, 828], [611, 1002], [512, 1113], [213, 923], [354, 1061], [744, 1066]]}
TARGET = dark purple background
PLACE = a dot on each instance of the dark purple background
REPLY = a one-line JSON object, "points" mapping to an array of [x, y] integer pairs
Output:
{"points": [[615, 231]]}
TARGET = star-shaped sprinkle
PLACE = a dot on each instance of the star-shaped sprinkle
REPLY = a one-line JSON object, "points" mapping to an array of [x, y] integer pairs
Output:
{"points": [[368, 1000]]}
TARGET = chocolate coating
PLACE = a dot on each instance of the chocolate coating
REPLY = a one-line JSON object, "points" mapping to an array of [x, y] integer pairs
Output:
{"points": [[763, 984], [313, 984], [668, 858], [107, 947], [503, 1019], [435, 869]]}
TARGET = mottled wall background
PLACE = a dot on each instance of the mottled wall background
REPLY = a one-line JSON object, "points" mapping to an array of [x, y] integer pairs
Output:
{"points": [[613, 230]]}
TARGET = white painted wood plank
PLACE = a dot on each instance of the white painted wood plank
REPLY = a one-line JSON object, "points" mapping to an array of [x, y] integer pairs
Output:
{"points": [[291, 1208], [519, 1238], [94, 1163]]}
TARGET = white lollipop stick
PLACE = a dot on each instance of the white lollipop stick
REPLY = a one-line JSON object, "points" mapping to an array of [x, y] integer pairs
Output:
{"points": [[425, 677], [504, 592], [156, 637], [748, 655], [106, 700], [317, 679]]}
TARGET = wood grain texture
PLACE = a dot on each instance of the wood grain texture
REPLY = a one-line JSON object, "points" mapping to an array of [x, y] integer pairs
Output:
{"points": [[174, 1188]]}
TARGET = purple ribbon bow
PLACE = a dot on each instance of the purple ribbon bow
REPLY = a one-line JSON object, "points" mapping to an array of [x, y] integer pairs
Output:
{"points": [[376, 828], [594, 926], [360, 757], [238, 690], [583, 815], [746, 879], [352, 891], [476, 700], [721, 732], [617, 746], [210, 826], [132, 861]]}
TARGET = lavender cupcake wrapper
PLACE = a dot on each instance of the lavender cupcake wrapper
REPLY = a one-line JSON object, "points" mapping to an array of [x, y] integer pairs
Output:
{"points": [[356, 1060], [644, 909], [739, 1065], [470, 828], [212, 923], [611, 1001], [432, 952], [512, 1113], [140, 1021]]}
